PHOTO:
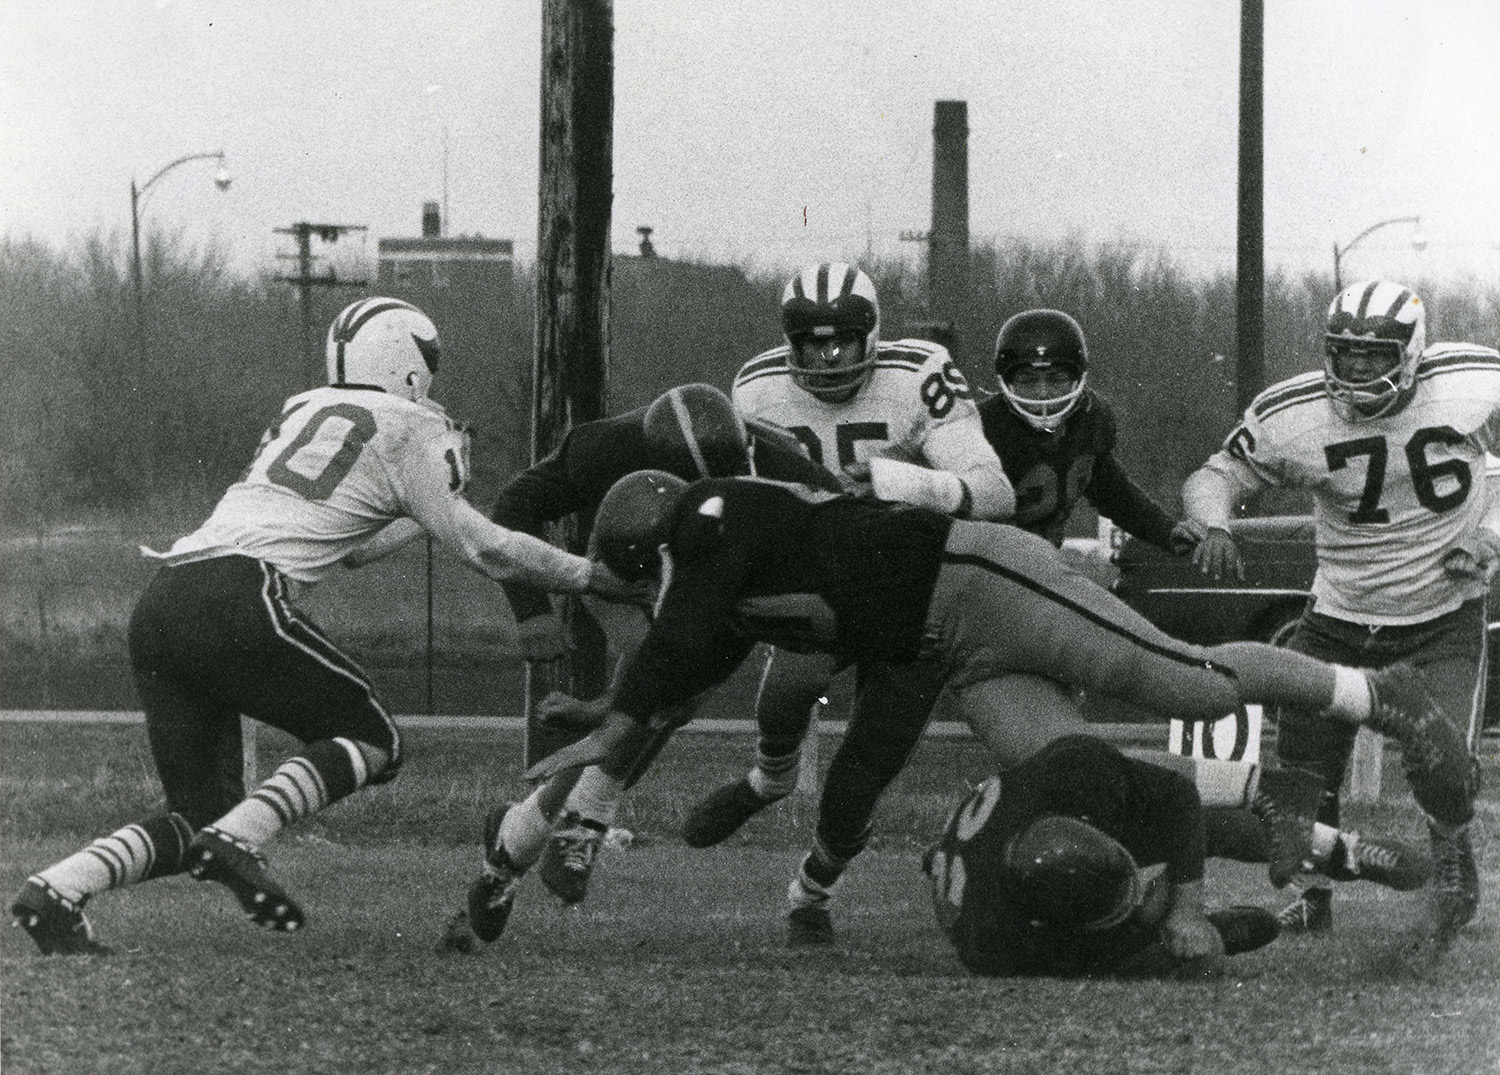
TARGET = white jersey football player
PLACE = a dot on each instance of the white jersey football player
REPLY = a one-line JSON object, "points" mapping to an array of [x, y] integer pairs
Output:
{"points": [[216, 634], [897, 421], [1390, 439]]}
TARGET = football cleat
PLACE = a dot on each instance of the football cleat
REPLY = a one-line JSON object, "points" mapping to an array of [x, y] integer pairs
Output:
{"points": [[1311, 912], [1380, 859], [720, 814], [493, 892], [809, 927], [1287, 804], [57, 925], [1455, 885], [1244, 929], [567, 861], [1434, 753], [217, 856]]}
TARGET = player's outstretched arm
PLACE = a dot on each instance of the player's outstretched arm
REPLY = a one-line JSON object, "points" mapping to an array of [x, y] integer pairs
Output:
{"points": [[393, 537]]}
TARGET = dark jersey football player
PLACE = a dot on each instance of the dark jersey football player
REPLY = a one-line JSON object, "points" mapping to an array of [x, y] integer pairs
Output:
{"points": [[692, 431], [1056, 436], [1039, 870], [742, 560]]}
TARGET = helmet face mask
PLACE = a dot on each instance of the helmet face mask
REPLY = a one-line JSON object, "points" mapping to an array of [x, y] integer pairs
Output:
{"points": [[1035, 340], [830, 316], [1373, 325], [383, 343]]}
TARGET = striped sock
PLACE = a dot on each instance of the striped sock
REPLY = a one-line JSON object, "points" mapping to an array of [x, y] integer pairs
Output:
{"points": [[325, 772], [136, 853]]}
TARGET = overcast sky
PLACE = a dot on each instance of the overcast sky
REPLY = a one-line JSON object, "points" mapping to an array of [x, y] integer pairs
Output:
{"points": [[1103, 119]]}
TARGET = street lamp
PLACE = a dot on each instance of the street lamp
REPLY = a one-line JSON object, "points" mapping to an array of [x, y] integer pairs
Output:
{"points": [[1418, 241], [222, 179]]}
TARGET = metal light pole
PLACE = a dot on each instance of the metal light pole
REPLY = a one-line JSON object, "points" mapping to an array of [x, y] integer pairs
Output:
{"points": [[222, 179], [1339, 252]]}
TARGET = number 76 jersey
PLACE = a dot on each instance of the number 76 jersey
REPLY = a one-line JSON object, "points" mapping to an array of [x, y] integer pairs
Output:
{"points": [[1391, 494]]}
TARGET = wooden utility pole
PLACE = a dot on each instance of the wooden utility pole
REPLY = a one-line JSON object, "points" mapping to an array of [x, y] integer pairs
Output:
{"points": [[306, 279], [1250, 267], [571, 361]]}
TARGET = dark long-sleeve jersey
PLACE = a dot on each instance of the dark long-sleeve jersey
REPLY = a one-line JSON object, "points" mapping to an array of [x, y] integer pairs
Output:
{"points": [[1051, 472], [1153, 812], [749, 561], [595, 455]]}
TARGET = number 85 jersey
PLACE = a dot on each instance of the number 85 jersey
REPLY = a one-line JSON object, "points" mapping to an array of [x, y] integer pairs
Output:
{"points": [[1391, 494], [336, 466], [915, 406]]}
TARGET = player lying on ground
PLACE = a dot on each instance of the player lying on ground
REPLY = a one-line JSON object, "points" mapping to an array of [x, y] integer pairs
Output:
{"points": [[216, 633], [1038, 871], [1390, 438], [743, 560]]}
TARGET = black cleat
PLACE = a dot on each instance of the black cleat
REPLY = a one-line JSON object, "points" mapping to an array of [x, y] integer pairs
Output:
{"points": [[217, 856], [493, 892], [719, 815], [1381, 859], [57, 925], [1245, 929], [1287, 804], [809, 927], [1311, 912], [567, 862], [1455, 885], [1434, 753]]}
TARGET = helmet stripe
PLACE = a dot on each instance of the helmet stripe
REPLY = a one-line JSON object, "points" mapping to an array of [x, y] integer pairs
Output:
{"points": [[354, 318], [850, 278], [823, 282], [1364, 300], [685, 424], [1401, 300]]}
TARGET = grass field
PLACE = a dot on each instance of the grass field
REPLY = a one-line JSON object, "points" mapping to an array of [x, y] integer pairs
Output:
{"points": [[675, 963]]}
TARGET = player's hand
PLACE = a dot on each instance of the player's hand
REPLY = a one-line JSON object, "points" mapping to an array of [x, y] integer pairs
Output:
{"points": [[1188, 934], [605, 584], [1473, 557], [1186, 535], [1217, 555], [855, 478], [593, 748], [562, 710], [543, 637]]}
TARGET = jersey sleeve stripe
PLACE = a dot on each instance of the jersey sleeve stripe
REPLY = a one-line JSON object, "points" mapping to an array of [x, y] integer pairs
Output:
{"points": [[1293, 392]]}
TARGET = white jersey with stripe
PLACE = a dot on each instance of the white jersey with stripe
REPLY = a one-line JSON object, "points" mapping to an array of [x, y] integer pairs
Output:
{"points": [[337, 466], [1391, 495], [915, 405]]}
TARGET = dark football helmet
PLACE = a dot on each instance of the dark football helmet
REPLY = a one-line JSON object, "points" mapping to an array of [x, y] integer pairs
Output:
{"points": [[1064, 872], [1374, 318], [833, 307], [693, 432], [633, 521], [1042, 338]]}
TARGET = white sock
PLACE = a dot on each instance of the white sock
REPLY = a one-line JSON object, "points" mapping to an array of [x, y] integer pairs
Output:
{"points": [[1225, 783], [768, 786], [1351, 694], [524, 831], [596, 796], [1325, 838], [121, 858]]}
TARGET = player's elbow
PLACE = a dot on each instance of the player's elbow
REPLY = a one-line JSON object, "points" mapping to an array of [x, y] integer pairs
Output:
{"points": [[991, 496]]}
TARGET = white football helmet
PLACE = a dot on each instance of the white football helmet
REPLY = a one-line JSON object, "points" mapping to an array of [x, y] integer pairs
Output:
{"points": [[386, 344], [822, 303], [1374, 317]]}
